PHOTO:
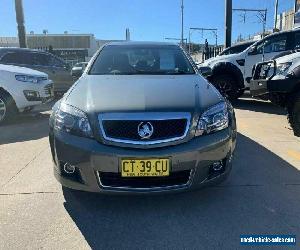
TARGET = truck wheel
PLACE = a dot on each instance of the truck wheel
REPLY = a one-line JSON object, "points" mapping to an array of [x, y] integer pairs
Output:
{"points": [[294, 114], [227, 86], [7, 107]]}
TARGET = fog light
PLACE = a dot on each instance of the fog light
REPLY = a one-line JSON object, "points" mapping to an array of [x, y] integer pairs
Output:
{"points": [[68, 168], [32, 95], [217, 166]]}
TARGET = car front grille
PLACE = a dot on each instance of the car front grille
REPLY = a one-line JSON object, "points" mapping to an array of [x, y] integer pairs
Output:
{"points": [[129, 128], [114, 180], [48, 89]]}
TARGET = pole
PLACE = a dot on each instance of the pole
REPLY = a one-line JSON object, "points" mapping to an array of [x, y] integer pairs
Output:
{"points": [[295, 10], [181, 22], [275, 14], [20, 23], [189, 41], [264, 22], [228, 22]]}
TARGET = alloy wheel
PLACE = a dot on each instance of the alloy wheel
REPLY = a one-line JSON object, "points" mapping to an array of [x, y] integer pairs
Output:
{"points": [[224, 87]]}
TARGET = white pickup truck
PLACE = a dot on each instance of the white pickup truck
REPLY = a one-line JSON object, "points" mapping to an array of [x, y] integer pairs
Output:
{"points": [[279, 81], [21, 89], [231, 74]]}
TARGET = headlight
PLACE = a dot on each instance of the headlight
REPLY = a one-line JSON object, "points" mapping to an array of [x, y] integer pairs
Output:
{"points": [[72, 120], [282, 68], [213, 119], [29, 78]]}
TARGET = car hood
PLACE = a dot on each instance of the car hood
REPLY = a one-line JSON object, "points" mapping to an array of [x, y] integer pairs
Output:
{"points": [[21, 70], [113, 93], [217, 59], [288, 58]]}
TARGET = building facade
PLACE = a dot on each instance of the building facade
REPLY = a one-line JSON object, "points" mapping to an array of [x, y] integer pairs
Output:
{"points": [[72, 48], [285, 20], [9, 42]]}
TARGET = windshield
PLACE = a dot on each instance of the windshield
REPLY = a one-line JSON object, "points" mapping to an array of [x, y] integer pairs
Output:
{"points": [[134, 60], [236, 49]]}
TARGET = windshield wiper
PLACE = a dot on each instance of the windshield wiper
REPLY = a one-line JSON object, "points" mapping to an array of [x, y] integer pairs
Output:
{"points": [[177, 72]]}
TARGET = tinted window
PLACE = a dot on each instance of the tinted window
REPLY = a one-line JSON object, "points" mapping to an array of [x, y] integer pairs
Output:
{"points": [[226, 52], [17, 58], [40, 59], [128, 60], [297, 41], [56, 62], [10, 58], [236, 49], [272, 44]]}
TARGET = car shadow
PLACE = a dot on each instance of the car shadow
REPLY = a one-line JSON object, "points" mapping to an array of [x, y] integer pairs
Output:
{"points": [[259, 197], [258, 105], [27, 126]]}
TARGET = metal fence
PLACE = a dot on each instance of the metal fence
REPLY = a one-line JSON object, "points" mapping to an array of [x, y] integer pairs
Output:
{"points": [[211, 52]]}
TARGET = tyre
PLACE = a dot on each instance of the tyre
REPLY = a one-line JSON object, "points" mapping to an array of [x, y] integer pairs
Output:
{"points": [[294, 114], [8, 107], [228, 86], [57, 95]]}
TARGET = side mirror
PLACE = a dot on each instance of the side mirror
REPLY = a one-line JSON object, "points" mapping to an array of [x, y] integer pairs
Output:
{"points": [[252, 51], [205, 71], [77, 72], [66, 66]]}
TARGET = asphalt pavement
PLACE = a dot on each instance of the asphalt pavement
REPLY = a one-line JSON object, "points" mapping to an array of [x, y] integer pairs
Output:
{"points": [[261, 196]]}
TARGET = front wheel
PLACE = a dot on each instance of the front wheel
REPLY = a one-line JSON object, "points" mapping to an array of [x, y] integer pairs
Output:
{"points": [[294, 114], [227, 85], [7, 107]]}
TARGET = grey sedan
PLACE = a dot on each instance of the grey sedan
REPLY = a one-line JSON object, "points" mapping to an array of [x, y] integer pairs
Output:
{"points": [[141, 119]]}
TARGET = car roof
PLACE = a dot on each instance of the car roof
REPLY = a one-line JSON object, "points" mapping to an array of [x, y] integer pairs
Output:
{"points": [[15, 49], [4, 50], [282, 32]]}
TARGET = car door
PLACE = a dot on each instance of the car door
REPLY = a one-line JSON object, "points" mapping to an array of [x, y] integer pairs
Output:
{"points": [[265, 51], [63, 74], [40, 62]]}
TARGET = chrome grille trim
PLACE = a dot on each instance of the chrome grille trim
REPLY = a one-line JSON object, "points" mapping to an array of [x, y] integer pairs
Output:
{"points": [[144, 117]]}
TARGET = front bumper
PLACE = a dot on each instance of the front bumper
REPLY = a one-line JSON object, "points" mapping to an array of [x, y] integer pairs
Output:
{"points": [[92, 158], [266, 86], [42, 93]]}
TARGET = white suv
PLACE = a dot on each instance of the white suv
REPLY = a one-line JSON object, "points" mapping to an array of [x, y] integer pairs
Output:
{"points": [[231, 74], [21, 89]]}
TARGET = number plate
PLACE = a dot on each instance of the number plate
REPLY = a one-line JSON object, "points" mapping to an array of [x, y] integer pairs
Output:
{"points": [[145, 167]]}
